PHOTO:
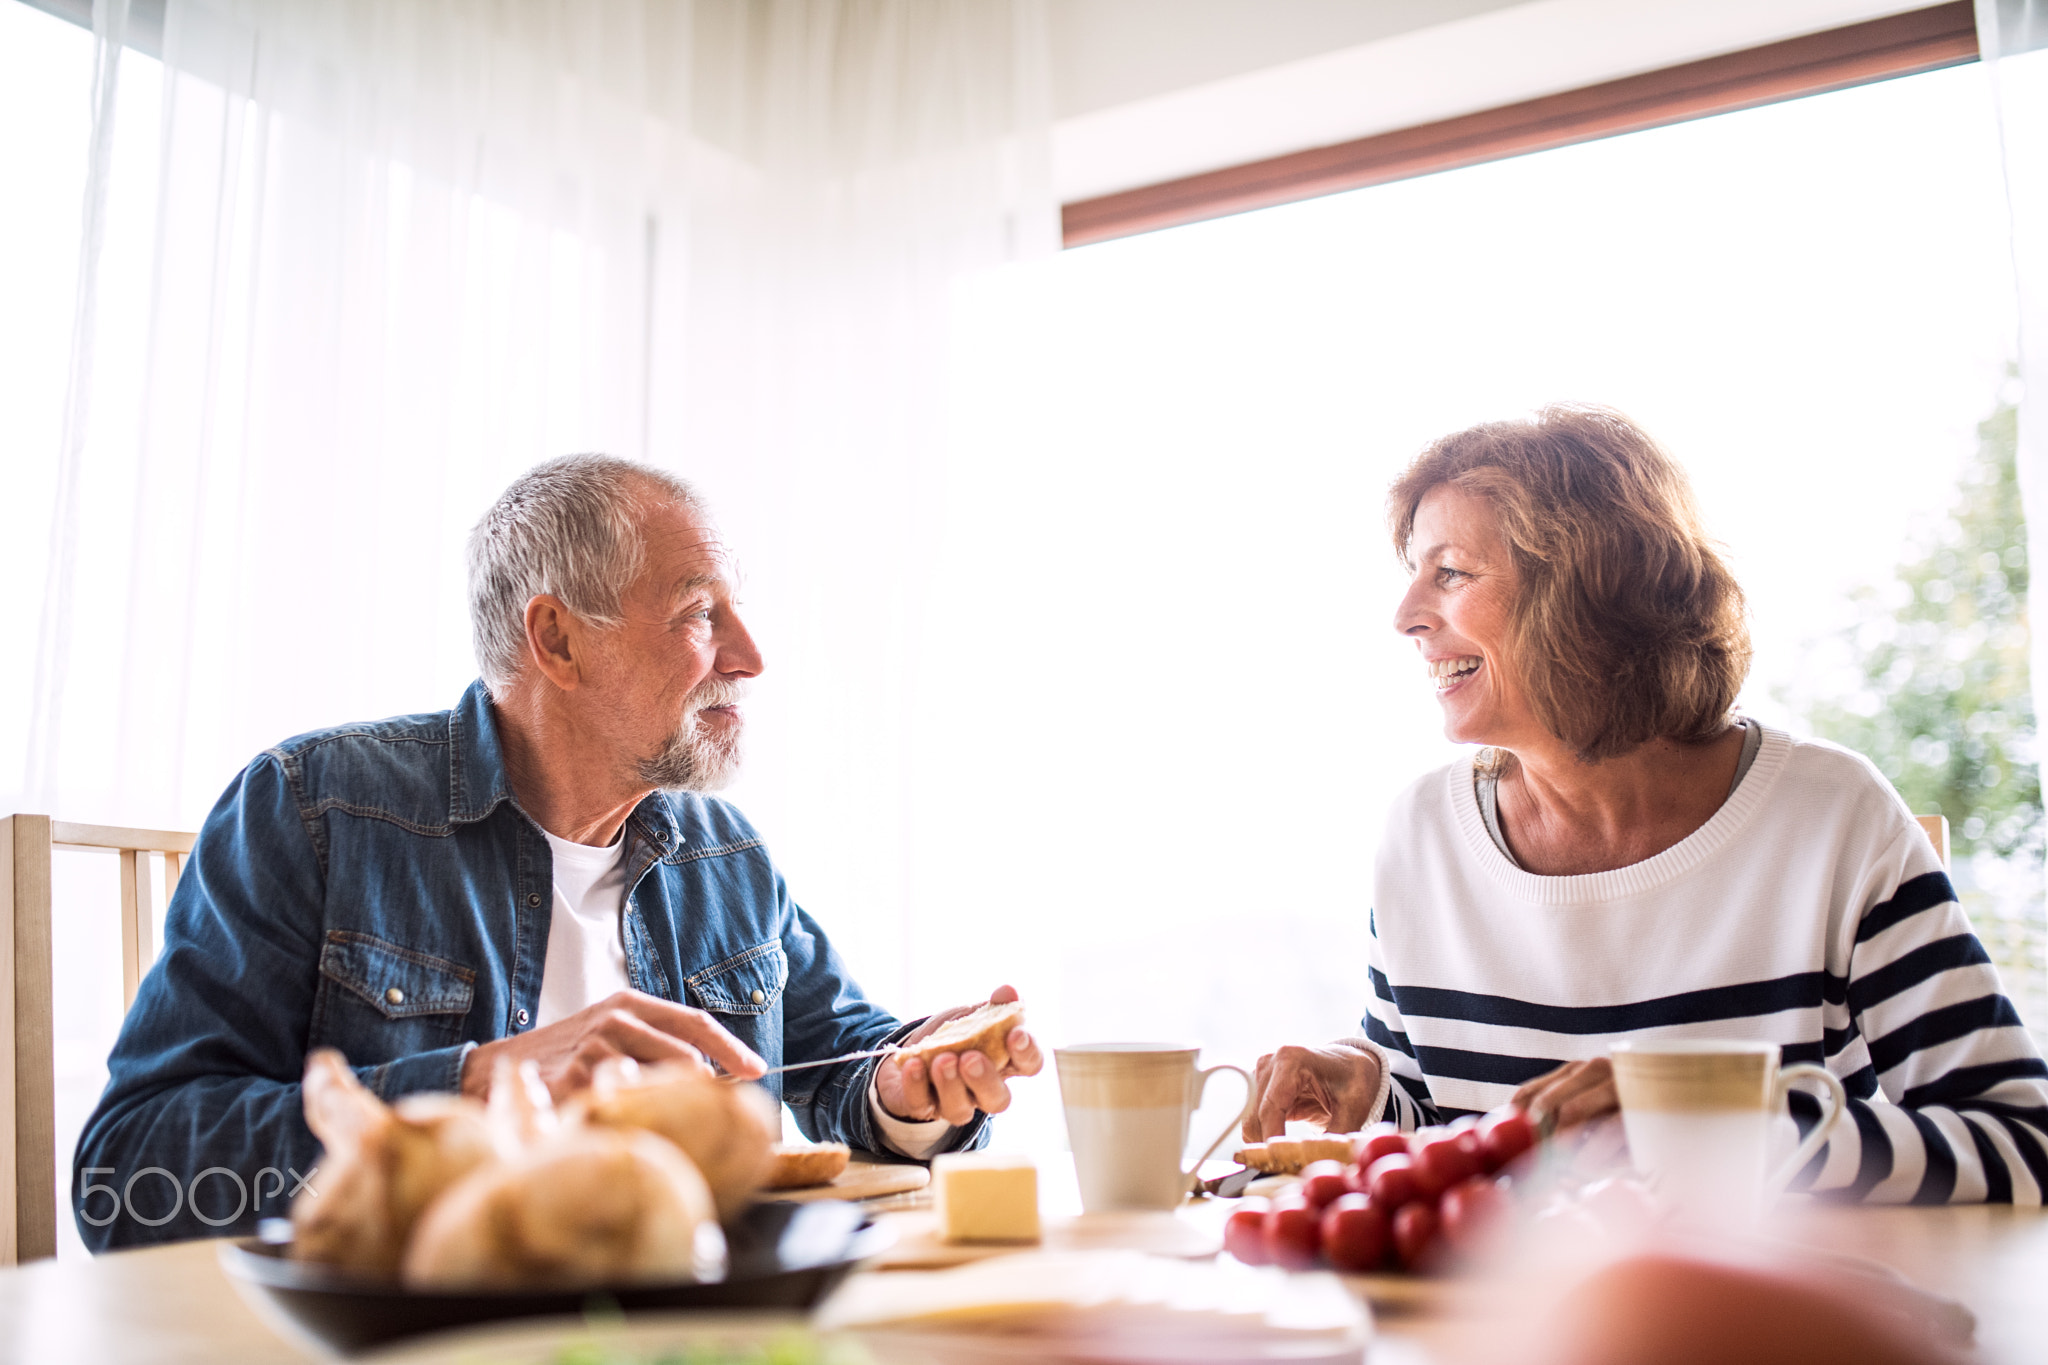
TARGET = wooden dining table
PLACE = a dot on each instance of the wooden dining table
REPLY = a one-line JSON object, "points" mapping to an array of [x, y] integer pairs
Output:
{"points": [[174, 1305]]}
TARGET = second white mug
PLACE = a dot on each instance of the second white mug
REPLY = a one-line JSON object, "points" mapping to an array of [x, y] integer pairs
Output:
{"points": [[1698, 1113]]}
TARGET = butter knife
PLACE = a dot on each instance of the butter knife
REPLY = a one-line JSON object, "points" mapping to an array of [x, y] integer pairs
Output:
{"points": [[834, 1061]]}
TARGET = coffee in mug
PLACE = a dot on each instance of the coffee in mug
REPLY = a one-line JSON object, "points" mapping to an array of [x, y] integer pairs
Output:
{"points": [[1698, 1113], [1128, 1106]]}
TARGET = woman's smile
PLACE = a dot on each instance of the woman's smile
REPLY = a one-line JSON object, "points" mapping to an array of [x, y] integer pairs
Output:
{"points": [[1452, 673]]}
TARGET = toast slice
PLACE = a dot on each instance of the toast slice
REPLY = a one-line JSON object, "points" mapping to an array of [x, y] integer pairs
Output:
{"points": [[797, 1166], [985, 1030], [1256, 1156], [1288, 1156]]}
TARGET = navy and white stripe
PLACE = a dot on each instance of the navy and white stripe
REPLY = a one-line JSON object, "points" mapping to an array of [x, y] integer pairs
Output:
{"points": [[1810, 911]]}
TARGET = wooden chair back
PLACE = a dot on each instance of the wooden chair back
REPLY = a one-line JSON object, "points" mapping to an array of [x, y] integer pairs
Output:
{"points": [[1937, 834], [28, 1085]]}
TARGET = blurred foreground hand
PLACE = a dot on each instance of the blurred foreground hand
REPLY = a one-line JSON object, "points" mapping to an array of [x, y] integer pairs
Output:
{"points": [[1676, 1310]]}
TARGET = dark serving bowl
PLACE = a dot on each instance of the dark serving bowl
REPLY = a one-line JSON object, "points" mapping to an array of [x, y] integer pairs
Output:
{"points": [[783, 1256]]}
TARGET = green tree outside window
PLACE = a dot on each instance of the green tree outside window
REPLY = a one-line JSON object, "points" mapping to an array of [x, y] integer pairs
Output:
{"points": [[1937, 695]]}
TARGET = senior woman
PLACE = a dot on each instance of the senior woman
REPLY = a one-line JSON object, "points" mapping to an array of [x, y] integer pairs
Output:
{"points": [[1627, 856]]}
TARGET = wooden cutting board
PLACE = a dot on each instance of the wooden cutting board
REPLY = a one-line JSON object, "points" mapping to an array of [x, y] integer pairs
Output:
{"points": [[860, 1180], [1158, 1234]]}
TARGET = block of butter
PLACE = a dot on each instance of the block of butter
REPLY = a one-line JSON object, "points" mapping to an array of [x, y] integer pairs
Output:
{"points": [[986, 1197]]}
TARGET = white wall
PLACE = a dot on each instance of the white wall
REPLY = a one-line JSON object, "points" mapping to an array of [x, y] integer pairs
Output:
{"points": [[1150, 90], [1110, 52]]}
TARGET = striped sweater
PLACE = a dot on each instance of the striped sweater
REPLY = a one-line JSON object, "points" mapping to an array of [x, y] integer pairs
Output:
{"points": [[1810, 911]]}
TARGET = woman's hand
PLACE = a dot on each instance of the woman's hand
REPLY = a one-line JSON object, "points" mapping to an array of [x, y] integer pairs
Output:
{"points": [[1333, 1085], [1575, 1093]]}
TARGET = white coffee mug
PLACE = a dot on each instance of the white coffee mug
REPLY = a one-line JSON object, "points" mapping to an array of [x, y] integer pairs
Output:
{"points": [[1128, 1106], [1698, 1113]]}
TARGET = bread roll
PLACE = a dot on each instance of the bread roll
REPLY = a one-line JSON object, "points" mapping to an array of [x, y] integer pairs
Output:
{"points": [[725, 1127], [797, 1167], [584, 1208], [985, 1030], [381, 1166], [520, 1112]]}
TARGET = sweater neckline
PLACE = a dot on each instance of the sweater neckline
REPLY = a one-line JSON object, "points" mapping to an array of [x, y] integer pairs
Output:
{"points": [[1588, 888]]}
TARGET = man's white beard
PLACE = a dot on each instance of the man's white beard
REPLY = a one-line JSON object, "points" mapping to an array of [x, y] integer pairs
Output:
{"points": [[695, 760]]}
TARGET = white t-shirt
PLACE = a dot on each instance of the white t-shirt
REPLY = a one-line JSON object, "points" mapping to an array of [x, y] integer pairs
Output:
{"points": [[587, 962], [586, 942]]}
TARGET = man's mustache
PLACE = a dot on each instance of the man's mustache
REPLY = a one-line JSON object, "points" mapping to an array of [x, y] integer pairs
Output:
{"points": [[714, 692]]}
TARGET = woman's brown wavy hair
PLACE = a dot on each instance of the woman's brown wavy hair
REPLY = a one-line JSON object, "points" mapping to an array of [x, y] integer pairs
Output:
{"points": [[1629, 626]]}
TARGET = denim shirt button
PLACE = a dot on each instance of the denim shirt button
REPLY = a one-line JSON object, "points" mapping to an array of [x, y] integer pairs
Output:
{"points": [[520, 1018], [533, 898], [758, 996], [395, 996]]}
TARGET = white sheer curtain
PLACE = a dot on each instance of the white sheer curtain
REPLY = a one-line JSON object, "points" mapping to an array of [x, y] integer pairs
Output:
{"points": [[380, 256], [2013, 37], [402, 251], [849, 164]]}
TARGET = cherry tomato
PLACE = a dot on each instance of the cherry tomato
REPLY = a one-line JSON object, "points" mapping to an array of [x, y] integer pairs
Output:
{"points": [[1445, 1162], [1504, 1135], [1421, 1136], [1244, 1232], [1415, 1229], [1377, 1146], [1354, 1234], [1370, 1132], [1392, 1181], [1322, 1181], [1294, 1236], [1470, 1211]]}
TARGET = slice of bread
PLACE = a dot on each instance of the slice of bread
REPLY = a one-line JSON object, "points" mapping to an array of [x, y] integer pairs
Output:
{"points": [[796, 1166], [1334, 1147], [985, 1030], [1288, 1156], [1256, 1156]]}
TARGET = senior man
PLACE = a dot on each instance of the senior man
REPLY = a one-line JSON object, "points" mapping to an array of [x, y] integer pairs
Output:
{"points": [[536, 875]]}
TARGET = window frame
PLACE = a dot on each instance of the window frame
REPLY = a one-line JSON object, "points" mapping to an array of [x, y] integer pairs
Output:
{"points": [[1835, 59]]}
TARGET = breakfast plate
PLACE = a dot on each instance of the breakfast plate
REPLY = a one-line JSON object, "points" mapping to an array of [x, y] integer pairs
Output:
{"points": [[783, 1256]]}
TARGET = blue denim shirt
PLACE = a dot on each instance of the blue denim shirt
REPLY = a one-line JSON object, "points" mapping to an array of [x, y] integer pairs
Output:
{"points": [[376, 888]]}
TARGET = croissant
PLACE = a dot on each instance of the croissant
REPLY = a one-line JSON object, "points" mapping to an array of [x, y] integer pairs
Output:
{"points": [[581, 1208], [381, 1166], [725, 1127]]}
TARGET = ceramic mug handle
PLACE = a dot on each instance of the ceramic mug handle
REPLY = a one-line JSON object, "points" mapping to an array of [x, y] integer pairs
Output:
{"points": [[1832, 1108], [1201, 1088]]}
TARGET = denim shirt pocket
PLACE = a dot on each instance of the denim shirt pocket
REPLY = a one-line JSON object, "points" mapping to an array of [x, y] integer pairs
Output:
{"points": [[380, 1000], [748, 983]]}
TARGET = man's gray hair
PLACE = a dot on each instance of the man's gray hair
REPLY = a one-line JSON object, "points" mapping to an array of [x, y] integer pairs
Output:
{"points": [[569, 527]]}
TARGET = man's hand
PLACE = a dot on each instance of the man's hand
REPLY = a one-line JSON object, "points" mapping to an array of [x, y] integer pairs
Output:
{"points": [[1575, 1093], [1334, 1086], [627, 1024], [955, 1084]]}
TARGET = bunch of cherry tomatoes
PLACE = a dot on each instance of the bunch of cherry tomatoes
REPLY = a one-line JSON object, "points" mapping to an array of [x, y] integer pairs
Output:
{"points": [[1405, 1198]]}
